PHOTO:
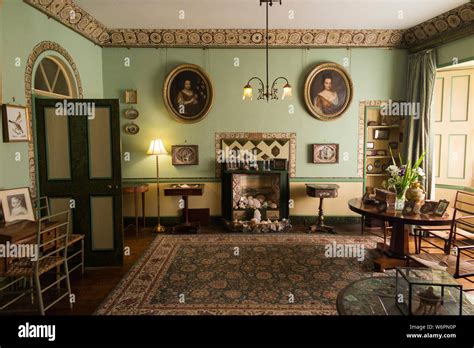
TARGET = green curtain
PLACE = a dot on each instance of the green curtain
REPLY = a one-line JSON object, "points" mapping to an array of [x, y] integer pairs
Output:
{"points": [[419, 130]]}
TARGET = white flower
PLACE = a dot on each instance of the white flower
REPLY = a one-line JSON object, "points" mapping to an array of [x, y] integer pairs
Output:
{"points": [[393, 169], [420, 172]]}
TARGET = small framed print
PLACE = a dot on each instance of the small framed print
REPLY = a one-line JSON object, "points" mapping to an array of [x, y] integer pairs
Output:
{"points": [[279, 164], [393, 145], [441, 207], [428, 207], [131, 96], [381, 134], [325, 153], [16, 123], [16, 205], [184, 155], [370, 145]]}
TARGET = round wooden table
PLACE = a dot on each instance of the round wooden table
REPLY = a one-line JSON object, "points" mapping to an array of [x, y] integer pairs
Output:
{"points": [[398, 248]]}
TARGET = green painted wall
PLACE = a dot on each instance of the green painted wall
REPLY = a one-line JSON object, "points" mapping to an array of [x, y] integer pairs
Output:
{"points": [[376, 74], [462, 49], [23, 27]]}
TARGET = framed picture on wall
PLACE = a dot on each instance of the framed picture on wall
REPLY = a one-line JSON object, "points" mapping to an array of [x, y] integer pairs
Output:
{"points": [[184, 155], [381, 134], [325, 153], [131, 96], [16, 123], [188, 93], [16, 205], [327, 91]]}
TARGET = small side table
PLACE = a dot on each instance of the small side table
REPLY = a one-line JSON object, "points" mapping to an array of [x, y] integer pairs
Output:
{"points": [[321, 191], [136, 188], [185, 190]]}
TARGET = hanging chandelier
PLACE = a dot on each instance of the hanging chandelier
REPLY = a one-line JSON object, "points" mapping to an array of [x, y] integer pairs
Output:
{"points": [[264, 92]]}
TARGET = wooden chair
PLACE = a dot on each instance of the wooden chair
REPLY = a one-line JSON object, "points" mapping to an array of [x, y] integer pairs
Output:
{"points": [[386, 230], [457, 253], [463, 206], [50, 255], [42, 209]]}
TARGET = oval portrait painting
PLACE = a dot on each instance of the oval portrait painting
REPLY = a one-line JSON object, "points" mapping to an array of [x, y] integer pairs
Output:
{"points": [[188, 93], [328, 91]]}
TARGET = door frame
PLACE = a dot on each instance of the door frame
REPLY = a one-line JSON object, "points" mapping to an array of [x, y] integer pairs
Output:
{"points": [[110, 187]]}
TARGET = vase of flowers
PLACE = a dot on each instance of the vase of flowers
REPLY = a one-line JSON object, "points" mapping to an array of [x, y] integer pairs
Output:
{"points": [[402, 176]]}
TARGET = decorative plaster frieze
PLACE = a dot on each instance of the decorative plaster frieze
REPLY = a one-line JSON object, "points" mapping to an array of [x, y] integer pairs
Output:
{"points": [[74, 17], [459, 21], [444, 25]]}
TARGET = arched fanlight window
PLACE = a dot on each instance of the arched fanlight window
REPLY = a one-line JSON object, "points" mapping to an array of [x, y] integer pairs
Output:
{"points": [[53, 79]]}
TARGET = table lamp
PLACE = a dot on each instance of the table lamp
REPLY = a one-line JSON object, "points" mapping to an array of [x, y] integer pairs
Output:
{"points": [[157, 148]]}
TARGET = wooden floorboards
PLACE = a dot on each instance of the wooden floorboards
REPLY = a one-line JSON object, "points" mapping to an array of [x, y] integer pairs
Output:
{"points": [[91, 289]]}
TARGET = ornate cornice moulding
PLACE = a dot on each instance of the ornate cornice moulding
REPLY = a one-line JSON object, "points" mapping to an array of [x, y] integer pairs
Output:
{"points": [[456, 23], [255, 38], [74, 17]]}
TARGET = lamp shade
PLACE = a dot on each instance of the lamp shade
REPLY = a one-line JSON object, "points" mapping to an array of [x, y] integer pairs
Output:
{"points": [[247, 92], [287, 92], [157, 148]]}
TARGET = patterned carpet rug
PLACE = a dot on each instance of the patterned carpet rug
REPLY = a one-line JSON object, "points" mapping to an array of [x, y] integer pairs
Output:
{"points": [[239, 275]]}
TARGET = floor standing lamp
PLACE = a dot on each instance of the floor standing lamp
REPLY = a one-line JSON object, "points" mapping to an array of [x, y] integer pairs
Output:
{"points": [[157, 148]]}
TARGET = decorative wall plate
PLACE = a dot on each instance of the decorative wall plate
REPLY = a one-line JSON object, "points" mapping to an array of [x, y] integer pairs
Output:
{"points": [[370, 168], [131, 114], [131, 128]]}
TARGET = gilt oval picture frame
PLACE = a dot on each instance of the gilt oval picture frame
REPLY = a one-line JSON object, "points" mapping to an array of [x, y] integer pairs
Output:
{"points": [[188, 93], [327, 91]]}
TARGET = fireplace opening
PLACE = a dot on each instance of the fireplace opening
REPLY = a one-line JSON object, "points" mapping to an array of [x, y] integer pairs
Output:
{"points": [[255, 198]]}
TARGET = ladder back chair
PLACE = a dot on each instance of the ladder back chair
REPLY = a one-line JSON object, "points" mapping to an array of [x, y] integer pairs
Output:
{"points": [[76, 256], [463, 206], [50, 256]]}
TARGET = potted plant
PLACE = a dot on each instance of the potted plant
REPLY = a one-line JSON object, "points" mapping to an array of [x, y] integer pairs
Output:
{"points": [[402, 176]]}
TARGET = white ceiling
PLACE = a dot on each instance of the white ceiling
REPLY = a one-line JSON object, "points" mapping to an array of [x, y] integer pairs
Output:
{"points": [[234, 14]]}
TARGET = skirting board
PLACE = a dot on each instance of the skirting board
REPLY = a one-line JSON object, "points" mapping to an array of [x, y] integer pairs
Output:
{"points": [[217, 220]]}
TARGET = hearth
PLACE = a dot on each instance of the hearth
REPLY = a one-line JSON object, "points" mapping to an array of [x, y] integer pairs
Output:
{"points": [[245, 191]]}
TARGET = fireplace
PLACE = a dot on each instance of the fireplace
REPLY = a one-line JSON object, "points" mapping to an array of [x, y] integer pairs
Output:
{"points": [[244, 191]]}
